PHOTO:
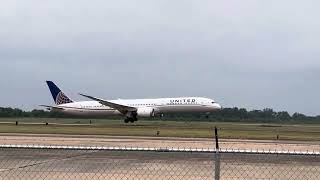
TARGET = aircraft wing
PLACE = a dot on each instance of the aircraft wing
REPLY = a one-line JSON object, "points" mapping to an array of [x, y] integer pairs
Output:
{"points": [[53, 107], [122, 108]]}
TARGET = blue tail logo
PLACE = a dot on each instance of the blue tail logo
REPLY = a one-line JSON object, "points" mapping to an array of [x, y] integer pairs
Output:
{"points": [[58, 96]]}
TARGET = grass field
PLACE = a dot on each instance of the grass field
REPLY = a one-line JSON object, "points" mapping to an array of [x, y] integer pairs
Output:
{"points": [[166, 128]]}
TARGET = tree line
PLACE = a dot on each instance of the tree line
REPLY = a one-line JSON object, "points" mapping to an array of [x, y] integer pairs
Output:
{"points": [[225, 115]]}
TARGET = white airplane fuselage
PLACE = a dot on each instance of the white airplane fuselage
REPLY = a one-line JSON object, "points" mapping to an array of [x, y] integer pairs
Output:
{"points": [[145, 107], [131, 109]]}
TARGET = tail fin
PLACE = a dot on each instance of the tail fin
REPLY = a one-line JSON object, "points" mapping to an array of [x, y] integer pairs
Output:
{"points": [[58, 96]]}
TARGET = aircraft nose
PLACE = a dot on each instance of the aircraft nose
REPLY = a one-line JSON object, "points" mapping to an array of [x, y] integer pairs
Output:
{"points": [[217, 106]]}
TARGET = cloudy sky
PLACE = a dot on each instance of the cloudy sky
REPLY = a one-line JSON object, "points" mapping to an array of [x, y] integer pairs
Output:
{"points": [[247, 53]]}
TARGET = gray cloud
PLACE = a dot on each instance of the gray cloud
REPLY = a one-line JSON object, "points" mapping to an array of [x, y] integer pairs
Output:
{"points": [[249, 53]]}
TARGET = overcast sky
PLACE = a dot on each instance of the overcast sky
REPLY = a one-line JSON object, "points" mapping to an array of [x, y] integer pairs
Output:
{"points": [[247, 53]]}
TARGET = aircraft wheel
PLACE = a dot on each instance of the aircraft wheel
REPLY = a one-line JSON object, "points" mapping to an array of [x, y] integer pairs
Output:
{"points": [[133, 120]]}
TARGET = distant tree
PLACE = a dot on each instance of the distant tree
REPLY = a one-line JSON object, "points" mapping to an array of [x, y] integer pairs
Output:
{"points": [[268, 113], [39, 113], [297, 116], [226, 114], [243, 113], [255, 114], [283, 116]]}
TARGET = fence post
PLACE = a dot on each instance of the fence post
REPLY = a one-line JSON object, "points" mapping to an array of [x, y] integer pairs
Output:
{"points": [[216, 136], [217, 156]]}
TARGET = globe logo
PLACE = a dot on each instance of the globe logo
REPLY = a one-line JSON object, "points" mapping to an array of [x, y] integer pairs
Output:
{"points": [[62, 99]]}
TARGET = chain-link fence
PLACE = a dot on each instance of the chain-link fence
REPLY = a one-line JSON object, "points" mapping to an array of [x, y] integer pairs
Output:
{"points": [[97, 163]]}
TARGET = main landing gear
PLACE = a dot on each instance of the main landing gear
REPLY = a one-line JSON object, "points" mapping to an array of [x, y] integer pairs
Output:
{"points": [[131, 117]]}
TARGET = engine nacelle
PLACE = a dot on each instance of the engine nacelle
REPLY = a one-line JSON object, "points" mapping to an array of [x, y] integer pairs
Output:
{"points": [[146, 112]]}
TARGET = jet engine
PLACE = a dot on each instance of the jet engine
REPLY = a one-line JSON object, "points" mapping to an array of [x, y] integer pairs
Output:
{"points": [[146, 112]]}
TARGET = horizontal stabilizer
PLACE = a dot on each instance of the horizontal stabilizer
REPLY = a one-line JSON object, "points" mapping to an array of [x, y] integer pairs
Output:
{"points": [[52, 107]]}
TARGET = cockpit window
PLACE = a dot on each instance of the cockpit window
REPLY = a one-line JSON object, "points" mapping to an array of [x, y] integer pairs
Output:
{"points": [[213, 102]]}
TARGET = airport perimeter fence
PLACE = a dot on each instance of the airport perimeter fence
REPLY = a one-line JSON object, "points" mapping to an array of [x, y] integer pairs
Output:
{"points": [[65, 162]]}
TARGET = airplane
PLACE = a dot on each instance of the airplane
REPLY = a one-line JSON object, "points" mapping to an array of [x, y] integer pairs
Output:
{"points": [[131, 109]]}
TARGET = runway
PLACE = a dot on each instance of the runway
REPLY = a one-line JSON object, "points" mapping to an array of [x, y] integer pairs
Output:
{"points": [[157, 142]]}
